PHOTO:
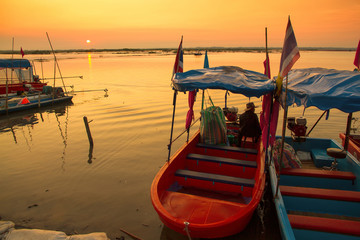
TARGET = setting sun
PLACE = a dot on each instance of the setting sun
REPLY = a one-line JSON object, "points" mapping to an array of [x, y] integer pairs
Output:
{"points": [[88, 41]]}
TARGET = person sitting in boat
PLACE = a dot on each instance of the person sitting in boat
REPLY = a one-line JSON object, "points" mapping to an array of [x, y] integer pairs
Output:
{"points": [[249, 124]]}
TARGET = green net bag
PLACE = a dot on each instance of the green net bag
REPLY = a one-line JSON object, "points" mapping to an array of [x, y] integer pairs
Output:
{"points": [[213, 126]]}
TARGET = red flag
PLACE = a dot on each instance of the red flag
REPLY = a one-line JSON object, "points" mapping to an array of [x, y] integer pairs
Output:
{"points": [[22, 52], [357, 57], [179, 64], [267, 67], [190, 113], [290, 52]]}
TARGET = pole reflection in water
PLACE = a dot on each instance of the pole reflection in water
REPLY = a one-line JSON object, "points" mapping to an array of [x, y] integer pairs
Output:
{"points": [[63, 134], [26, 122]]}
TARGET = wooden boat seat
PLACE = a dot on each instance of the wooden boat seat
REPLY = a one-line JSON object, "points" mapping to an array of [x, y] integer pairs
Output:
{"points": [[215, 178], [336, 152], [320, 173], [228, 148], [331, 194], [224, 160], [332, 225]]}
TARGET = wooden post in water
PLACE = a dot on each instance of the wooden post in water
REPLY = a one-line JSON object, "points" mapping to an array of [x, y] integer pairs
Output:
{"points": [[88, 131]]}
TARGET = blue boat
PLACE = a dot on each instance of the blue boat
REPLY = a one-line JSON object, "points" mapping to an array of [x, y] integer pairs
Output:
{"points": [[47, 97], [320, 200]]}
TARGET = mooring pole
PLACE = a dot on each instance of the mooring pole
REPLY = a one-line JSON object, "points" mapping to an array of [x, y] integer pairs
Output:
{"points": [[88, 131]]}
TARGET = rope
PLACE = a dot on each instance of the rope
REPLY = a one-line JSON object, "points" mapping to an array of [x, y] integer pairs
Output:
{"points": [[261, 212], [187, 229], [183, 132]]}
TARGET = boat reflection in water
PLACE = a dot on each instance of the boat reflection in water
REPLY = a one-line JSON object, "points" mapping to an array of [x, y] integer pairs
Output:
{"points": [[23, 123]]}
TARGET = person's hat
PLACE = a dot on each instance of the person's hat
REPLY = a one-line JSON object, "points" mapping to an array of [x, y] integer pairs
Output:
{"points": [[249, 106]]}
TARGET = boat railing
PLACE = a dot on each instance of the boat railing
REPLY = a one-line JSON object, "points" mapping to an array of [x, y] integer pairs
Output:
{"points": [[187, 139]]}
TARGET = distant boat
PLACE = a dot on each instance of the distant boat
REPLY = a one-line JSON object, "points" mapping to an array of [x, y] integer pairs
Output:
{"points": [[47, 97], [198, 53], [17, 76]]}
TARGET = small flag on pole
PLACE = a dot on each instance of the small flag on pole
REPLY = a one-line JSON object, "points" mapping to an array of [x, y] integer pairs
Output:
{"points": [[357, 57], [290, 52], [22, 52], [179, 61]]}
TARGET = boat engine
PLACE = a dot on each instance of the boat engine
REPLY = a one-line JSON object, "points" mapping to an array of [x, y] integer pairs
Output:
{"points": [[231, 113], [298, 128]]}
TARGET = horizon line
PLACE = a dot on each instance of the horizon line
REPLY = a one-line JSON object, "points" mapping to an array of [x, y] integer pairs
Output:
{"points": [[211, 49]]}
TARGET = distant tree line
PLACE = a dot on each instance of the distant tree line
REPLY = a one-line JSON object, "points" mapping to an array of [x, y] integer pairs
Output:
{"points": [[173, 50]]}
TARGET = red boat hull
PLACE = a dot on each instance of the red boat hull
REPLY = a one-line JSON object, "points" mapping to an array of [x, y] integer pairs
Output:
{"points": [[354, 144], [211, 209], [19, 87]]}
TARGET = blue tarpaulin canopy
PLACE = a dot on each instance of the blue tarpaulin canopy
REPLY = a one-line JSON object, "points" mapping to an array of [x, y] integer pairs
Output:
{"points": [[14, 63], [234, 79], [324, 89]]}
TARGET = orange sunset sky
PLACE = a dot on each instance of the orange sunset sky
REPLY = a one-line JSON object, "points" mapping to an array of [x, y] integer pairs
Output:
{"points": [[160, 23]]}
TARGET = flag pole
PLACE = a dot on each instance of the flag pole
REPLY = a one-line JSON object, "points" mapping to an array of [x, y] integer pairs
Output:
{"points": [[283, 135], [7, 79], [175, 70], [267, 71], [172, 124]]}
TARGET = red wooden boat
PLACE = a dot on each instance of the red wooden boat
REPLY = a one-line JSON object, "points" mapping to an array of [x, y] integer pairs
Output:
{"points": [[209, 191], [354, 144], [212, 191]]}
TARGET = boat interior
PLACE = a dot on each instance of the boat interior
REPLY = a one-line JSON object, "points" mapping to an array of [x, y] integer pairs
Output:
{"points": [[323, 194], [217, 179]]}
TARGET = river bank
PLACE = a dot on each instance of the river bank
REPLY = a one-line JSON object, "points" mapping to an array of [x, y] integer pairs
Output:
{"points": [[9, 232]]}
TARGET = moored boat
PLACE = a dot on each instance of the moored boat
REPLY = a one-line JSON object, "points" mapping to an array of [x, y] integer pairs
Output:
{"points": [[320, 200], [212, 190], [16, 75], [353, 144], [46, 98]]}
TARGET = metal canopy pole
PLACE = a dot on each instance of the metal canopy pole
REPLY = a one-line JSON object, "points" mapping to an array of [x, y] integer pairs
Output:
{"points": [[316, 123], [172, 124], [348, 126]]}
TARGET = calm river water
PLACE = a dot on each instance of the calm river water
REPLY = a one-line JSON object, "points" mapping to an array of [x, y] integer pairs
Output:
{"points": [[50, 178]]}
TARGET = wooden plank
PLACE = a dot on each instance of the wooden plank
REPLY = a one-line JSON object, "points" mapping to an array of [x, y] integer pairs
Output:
{"points": [[228, 148], [224, 160], [318, 173], [331, 194], [332, 225], [215, 177]]}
